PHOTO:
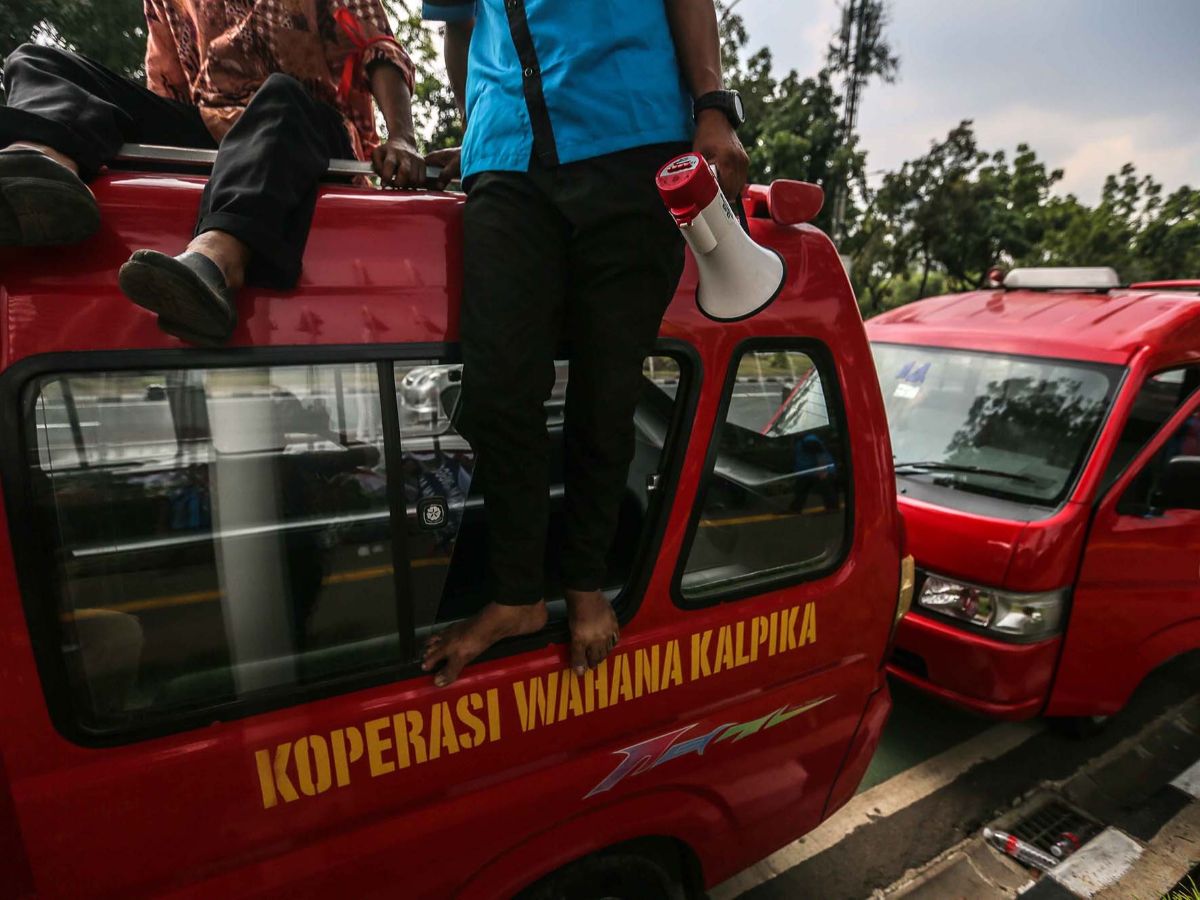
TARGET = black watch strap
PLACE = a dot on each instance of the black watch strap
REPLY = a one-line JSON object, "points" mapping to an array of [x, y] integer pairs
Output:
{"points": [[728, 102]]}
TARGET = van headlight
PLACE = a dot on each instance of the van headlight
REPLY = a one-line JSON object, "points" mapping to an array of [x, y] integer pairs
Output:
{"points": [[1004, 612]]}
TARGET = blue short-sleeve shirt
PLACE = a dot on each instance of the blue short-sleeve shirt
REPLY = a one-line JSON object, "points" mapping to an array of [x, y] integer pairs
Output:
{"points": [[566, 80]]}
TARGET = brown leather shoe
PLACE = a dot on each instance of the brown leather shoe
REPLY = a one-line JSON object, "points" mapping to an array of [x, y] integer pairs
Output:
{"points": [[188, 292], [42, 202]]}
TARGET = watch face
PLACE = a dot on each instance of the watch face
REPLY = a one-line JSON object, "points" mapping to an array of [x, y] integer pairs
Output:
{"points": [[738, 107]]}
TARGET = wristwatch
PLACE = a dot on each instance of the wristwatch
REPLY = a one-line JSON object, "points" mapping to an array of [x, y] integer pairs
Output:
{"points": [[728, 102]]}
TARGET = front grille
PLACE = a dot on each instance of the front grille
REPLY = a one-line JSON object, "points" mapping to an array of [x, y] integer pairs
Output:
{"points": [[1046, 825]]}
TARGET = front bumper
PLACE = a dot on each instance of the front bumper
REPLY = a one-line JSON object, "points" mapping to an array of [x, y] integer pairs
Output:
{"points": [[994, 678]]}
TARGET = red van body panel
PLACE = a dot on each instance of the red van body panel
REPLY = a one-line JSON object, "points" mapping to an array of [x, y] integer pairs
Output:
{"points": [[1094, 667], [206, 812], [1137, 601]]}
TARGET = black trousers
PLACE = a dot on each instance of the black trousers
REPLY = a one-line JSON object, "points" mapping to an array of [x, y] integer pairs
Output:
{"points": [[587, 252], [263, 188]]}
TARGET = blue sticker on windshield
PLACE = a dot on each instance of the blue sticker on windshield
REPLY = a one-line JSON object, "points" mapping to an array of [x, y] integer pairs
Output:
{"points": [[912, 373]]}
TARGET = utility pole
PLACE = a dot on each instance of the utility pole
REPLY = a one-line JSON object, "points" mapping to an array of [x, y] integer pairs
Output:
{"points": [[859, 52]]}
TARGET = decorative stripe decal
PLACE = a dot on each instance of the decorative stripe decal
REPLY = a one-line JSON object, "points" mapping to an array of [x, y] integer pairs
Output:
{"points": [[652, 753]]}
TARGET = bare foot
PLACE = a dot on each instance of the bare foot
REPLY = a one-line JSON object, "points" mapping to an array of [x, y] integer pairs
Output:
{"points": [[594, 629], [460, 643], [230, 254], [60, 158]]}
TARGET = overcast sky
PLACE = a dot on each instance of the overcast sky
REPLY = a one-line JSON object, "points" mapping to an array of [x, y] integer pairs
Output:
{"points": [[1089, 84]]}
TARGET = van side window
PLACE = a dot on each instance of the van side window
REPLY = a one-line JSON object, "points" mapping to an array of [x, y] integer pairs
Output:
{"points": [[212, 536], [1156, 401], [216, 533], [1151, 492], [774, 507], [449, 562]]}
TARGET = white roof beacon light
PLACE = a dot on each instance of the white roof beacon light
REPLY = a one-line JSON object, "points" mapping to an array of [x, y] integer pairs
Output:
{"points": [[1065, 278]]}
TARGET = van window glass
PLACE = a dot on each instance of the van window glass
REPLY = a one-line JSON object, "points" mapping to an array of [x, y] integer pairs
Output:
{"points": [[215, 533], [449, 554], [774, 507], [1157, 399], [1015, 427], [211, 534], [1145, 495]]}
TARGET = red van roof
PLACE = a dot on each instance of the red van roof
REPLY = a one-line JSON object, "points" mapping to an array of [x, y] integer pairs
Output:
{"points": [[1102, 327], [379, 267]]}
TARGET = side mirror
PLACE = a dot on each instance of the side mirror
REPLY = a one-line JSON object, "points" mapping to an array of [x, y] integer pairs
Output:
{"points": [[793, 202], [1181, 485], [785, 202]]}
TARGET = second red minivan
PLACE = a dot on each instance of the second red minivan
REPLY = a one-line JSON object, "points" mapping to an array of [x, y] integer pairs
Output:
{"points": [[1046, 436]]}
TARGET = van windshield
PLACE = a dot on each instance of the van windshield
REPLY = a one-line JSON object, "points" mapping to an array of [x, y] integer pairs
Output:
{"points": [[1015, 427]]}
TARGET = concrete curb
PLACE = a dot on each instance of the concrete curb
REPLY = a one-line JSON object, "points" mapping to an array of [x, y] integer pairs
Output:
{"points": [[1145, 790]]}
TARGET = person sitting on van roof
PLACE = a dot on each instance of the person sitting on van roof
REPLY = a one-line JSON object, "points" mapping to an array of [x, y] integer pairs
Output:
{"points": [[282, 86], [571, 110]]}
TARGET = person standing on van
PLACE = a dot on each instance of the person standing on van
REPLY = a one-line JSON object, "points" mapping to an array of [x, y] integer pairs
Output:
{"points": [[281, 86], [571, 110]]}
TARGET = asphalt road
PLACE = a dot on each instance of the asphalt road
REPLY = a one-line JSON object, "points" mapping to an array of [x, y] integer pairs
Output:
{"points": [[938, 776]]}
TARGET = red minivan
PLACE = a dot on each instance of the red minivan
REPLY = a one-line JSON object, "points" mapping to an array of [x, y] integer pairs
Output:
{"points": [[1046, 435], [217, 567]]}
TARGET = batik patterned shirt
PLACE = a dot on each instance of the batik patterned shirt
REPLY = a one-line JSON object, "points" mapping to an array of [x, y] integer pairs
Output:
{"points": [[214, 54]]}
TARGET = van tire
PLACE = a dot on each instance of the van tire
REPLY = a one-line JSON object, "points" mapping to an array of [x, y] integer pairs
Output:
{"points": [[1079, 727], [610, 876]]}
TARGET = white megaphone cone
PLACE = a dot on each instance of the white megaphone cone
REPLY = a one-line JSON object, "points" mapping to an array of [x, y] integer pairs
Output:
{"points": [[738, 278]]}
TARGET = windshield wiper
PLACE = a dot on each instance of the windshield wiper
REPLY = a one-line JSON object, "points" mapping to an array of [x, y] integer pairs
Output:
{"points": [[935, 466]]}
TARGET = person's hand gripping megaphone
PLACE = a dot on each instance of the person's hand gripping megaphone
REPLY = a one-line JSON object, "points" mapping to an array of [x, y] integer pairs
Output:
{"points": [[718, 143]]}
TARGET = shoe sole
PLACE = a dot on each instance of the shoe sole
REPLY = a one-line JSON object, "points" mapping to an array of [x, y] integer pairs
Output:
{"points": [[39, 212], [172, 296]]}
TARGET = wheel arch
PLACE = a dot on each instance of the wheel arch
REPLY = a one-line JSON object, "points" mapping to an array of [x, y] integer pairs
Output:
{"points": [[686, 824], [1156, 651]]}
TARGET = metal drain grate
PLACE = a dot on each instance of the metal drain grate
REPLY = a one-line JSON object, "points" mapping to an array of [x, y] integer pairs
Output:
{"points": [[1046, 825]]}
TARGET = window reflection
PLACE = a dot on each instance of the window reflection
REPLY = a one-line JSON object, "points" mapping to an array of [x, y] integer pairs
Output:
{"points": [[775, 504], [990, 423], [220, 532], [217, 531]]}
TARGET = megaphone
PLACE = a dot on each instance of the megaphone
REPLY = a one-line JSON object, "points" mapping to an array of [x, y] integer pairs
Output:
{"points": [[738, 278]]}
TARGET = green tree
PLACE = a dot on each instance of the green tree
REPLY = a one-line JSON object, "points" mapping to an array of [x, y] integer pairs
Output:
{"points": [[434, 110], [794, 125], [19, 19], [801, 138], [112, 32], [1133, 229], [961, 210], [1168, 245]]}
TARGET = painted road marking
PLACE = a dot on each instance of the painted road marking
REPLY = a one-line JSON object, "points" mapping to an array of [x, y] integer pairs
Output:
{"points": [[1101, 862], [883, 800], [1189, 780]]}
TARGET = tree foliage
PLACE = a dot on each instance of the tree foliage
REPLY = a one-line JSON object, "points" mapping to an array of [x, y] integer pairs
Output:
{"points": [[958, 211], [112, 32], [962, 210], [793, 125], [434, 110]]}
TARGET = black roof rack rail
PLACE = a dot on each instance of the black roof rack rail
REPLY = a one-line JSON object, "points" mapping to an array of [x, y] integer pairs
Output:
{"points": [[160, 157]]}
